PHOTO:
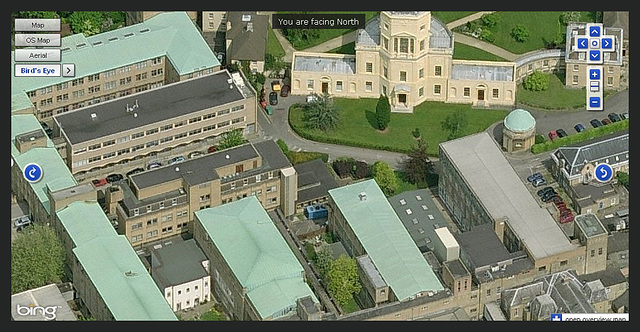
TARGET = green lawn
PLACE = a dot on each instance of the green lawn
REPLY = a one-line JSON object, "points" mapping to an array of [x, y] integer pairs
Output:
{"points": [[326, 34], [357, 121], [543, 26], [557, 96], [447, 17], [465, 52], [273, 45], [350, 307]]}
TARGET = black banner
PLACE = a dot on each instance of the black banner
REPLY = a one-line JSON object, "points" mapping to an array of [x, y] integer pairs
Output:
{"points": [[318, 21]]}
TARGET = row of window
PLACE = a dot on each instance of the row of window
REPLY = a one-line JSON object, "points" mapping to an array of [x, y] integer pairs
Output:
{"points": [[154, 233], [155, 142], [96, 77]]}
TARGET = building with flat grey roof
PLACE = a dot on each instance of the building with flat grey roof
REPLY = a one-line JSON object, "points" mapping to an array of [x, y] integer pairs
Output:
{"points": [[181, 271], [160, 202], [419, 215], [479, 186], [148, 122]]}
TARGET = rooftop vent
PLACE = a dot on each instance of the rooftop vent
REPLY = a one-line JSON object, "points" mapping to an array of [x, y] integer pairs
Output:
{"points": [[79, 46], [131, 274], [362, 196], [127, 35], [97, 43], [227, 157], [144, 30], [113, 39], [246, 18], [250, 26], [177, 169], [94, 116]]}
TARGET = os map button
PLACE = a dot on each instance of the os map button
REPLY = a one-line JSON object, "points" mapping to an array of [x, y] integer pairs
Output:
{"points": [[32, 172], [603, 172]]}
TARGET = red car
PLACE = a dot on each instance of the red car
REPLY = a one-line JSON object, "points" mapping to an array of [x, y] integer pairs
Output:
{"points": [[566, 218], [212, 148], [553, 135], [99, 182]]}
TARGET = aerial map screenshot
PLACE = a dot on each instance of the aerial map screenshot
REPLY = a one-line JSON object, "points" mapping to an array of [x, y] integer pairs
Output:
{"points": [[319, 166]]}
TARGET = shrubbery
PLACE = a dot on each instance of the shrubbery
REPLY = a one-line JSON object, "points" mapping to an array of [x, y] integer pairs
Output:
{"points": [[579, 137]]}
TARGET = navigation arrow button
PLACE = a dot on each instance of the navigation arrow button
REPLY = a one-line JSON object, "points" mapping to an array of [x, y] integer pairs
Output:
{"points": [[68, 70]]}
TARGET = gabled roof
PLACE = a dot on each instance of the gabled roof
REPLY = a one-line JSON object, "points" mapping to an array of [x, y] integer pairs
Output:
{"points": [[596, 150], [170, 34], [258, 255], [121, 279], [385, 239]]}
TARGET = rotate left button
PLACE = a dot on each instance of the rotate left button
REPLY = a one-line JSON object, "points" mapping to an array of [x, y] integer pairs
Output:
{"points": [[32, 172]]}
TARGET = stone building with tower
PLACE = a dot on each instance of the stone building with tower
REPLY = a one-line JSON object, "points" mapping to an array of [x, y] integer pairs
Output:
{"points": [[519, 131]]}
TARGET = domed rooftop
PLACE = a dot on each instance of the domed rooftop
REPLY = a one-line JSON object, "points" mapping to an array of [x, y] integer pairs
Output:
{"points": [[519, 120]]}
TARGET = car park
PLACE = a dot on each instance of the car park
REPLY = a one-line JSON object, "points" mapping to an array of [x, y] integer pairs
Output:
{"points": [[99, 182], [153, 165], [195, 154], [284, 91], [595, 123], [534, 177], [614, 117], [176, 160], [579, 127], [561, 133], [273, 98], [606, 121], [539, 182], [22, 222], [553, 135], [114, 177], [135, 171]]}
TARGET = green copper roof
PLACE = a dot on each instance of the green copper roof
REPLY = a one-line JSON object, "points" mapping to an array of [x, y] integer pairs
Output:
{"points": [[84, 221], [519, 120], [55, 173], [385, 239], [260, 258], [122, 280], [170, 33]]}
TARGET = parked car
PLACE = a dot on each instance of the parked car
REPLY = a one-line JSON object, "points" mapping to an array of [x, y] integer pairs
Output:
{"points": [[22, 222], [114, 177], [275, 85], [212, 148], [539, 182], [561, 133], [135, 171], [595, 123], [99, 182], [534, 177], [605, 121], [176, 160], [545, 190], [553, 135], [614, 117], [549, 196], [624, 115], [579, 127], [153, 165], [195, 154], [284, 91], [273, 98], [566, 218], [46, 128]]}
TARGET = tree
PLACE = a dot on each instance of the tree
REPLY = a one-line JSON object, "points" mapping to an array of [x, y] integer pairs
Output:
{"points": [[383, 112], [37, 258], [283, 146], [343, 279], [274, 63], [323, 260], [231, 138], [536, 81], [490, 20], [385, 177], [568, 17], [86, 22], [416, 133], [320, 113], [623, 179], [416, 165], [455, 123], [520, 33]]}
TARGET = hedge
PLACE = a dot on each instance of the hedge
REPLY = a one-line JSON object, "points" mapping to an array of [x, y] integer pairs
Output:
{"points": [[580, 137], [303, 156]]}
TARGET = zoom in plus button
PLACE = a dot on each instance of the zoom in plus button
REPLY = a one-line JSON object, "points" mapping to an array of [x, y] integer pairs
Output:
{"points": [[32, 172]]}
